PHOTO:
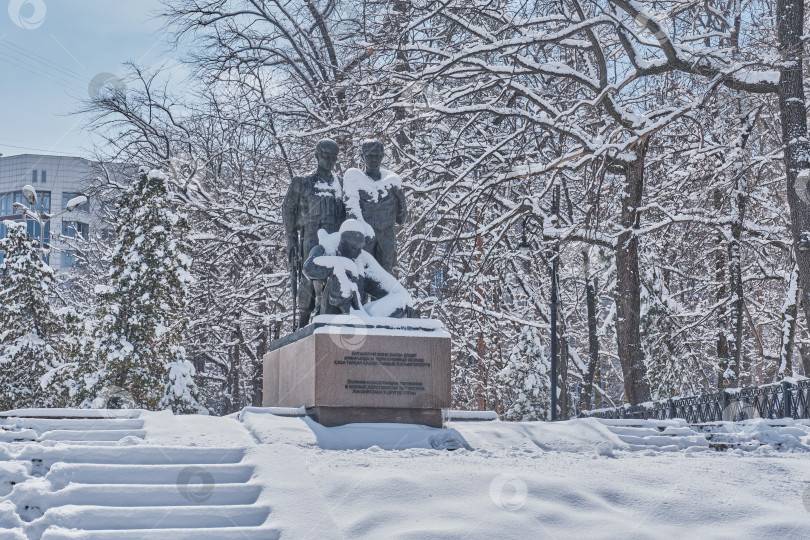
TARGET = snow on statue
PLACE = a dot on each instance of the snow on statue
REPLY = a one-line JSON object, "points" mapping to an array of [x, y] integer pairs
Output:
{"points": [[376, 198], [349, 274]]}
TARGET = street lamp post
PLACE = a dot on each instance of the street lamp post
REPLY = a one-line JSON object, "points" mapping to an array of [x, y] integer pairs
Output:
{"points": [[30, 195]]}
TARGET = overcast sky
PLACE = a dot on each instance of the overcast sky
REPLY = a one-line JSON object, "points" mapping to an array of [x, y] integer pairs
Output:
{"points": [[51, 50]]}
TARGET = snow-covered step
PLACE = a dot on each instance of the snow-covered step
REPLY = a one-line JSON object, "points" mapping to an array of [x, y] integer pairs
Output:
{"points": [[670, 431], [71, 413], [125, 440], [41, 425], [63, 473], [140, 455], [149, 517], [23, 435], [665, 442], [230, 533], [133, 495], [91, 435], [660, 435]]}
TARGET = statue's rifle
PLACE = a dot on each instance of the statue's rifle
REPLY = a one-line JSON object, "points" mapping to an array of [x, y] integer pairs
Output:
{"points": [[295, 276]]}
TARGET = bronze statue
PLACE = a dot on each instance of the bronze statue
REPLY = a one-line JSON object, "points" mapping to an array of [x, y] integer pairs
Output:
{"points": [[312, 203], [376, 197], [347, 275]]}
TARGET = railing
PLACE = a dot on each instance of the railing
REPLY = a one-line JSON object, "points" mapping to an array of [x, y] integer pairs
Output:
{"points": [[788, 399]]}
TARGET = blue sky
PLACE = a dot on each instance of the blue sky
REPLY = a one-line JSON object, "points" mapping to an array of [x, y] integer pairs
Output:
{"points": [[51, 50]]}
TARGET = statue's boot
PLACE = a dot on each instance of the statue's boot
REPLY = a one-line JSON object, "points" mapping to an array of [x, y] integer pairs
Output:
{"points": [[303, 318]]}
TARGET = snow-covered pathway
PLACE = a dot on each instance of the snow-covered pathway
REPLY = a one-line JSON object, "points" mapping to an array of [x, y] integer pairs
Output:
{"points": [[259, 475]]}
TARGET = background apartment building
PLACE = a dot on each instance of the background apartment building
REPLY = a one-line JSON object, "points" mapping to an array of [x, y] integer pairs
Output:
{"points": [[56, 179]]}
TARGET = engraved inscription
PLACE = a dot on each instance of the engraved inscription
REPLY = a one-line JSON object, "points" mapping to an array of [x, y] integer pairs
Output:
{"points": [[389, 359], [388, 388]]}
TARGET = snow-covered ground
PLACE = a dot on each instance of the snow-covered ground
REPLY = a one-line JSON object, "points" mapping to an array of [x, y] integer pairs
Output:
{"points": [[260, 475]]}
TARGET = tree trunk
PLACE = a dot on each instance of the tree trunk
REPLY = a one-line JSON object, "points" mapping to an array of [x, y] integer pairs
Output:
{"points": [[593, 337], [562, 367], [790, 22], [720, 278], [788, 327], [735, 266], [628, 284]]}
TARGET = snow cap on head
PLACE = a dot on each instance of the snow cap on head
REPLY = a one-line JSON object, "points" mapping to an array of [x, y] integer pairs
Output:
{"points": [[353, 225]]}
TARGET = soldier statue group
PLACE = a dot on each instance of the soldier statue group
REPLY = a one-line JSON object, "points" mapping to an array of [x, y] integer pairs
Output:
{"points": [[368, 212]]}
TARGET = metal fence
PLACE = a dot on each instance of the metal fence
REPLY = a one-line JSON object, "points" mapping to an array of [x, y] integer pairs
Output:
{"points": [[778, 400]]}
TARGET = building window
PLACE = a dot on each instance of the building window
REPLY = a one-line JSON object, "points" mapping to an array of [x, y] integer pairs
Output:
{"points": [[42, 177], [67, 196], [5, 203], [74, 229], [44, 203], [69, 258], [34, 176], [35, 231], [437, 283]]}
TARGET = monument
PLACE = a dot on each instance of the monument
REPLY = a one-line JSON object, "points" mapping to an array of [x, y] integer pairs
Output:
{"points": [[363, 357]]}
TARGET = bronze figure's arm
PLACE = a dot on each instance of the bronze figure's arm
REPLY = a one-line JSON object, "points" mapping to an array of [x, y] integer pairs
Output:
{"points": [[315, 271], [402, 206]]}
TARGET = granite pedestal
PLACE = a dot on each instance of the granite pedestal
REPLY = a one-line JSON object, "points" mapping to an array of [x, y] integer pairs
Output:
{"points": [[343, 371]]}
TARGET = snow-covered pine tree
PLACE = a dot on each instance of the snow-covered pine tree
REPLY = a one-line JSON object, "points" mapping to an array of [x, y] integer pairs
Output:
{"points": [[138, 358], [28, 321], [524, 382], [73, 345]]}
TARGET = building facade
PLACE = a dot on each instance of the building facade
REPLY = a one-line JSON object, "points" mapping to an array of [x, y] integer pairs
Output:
{"points": [[56, 180]]}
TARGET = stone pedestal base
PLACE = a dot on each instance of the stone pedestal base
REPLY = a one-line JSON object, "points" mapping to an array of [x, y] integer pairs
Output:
{"points": [[337, 416], [343, 374]]}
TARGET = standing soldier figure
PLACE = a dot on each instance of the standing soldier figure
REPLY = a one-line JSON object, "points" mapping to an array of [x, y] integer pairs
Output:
{"points": [[313, 202], [375, 197]]}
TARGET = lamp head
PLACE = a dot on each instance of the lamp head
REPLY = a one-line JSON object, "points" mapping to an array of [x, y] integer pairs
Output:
{"points": [[75, 202], [30, 194]]}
